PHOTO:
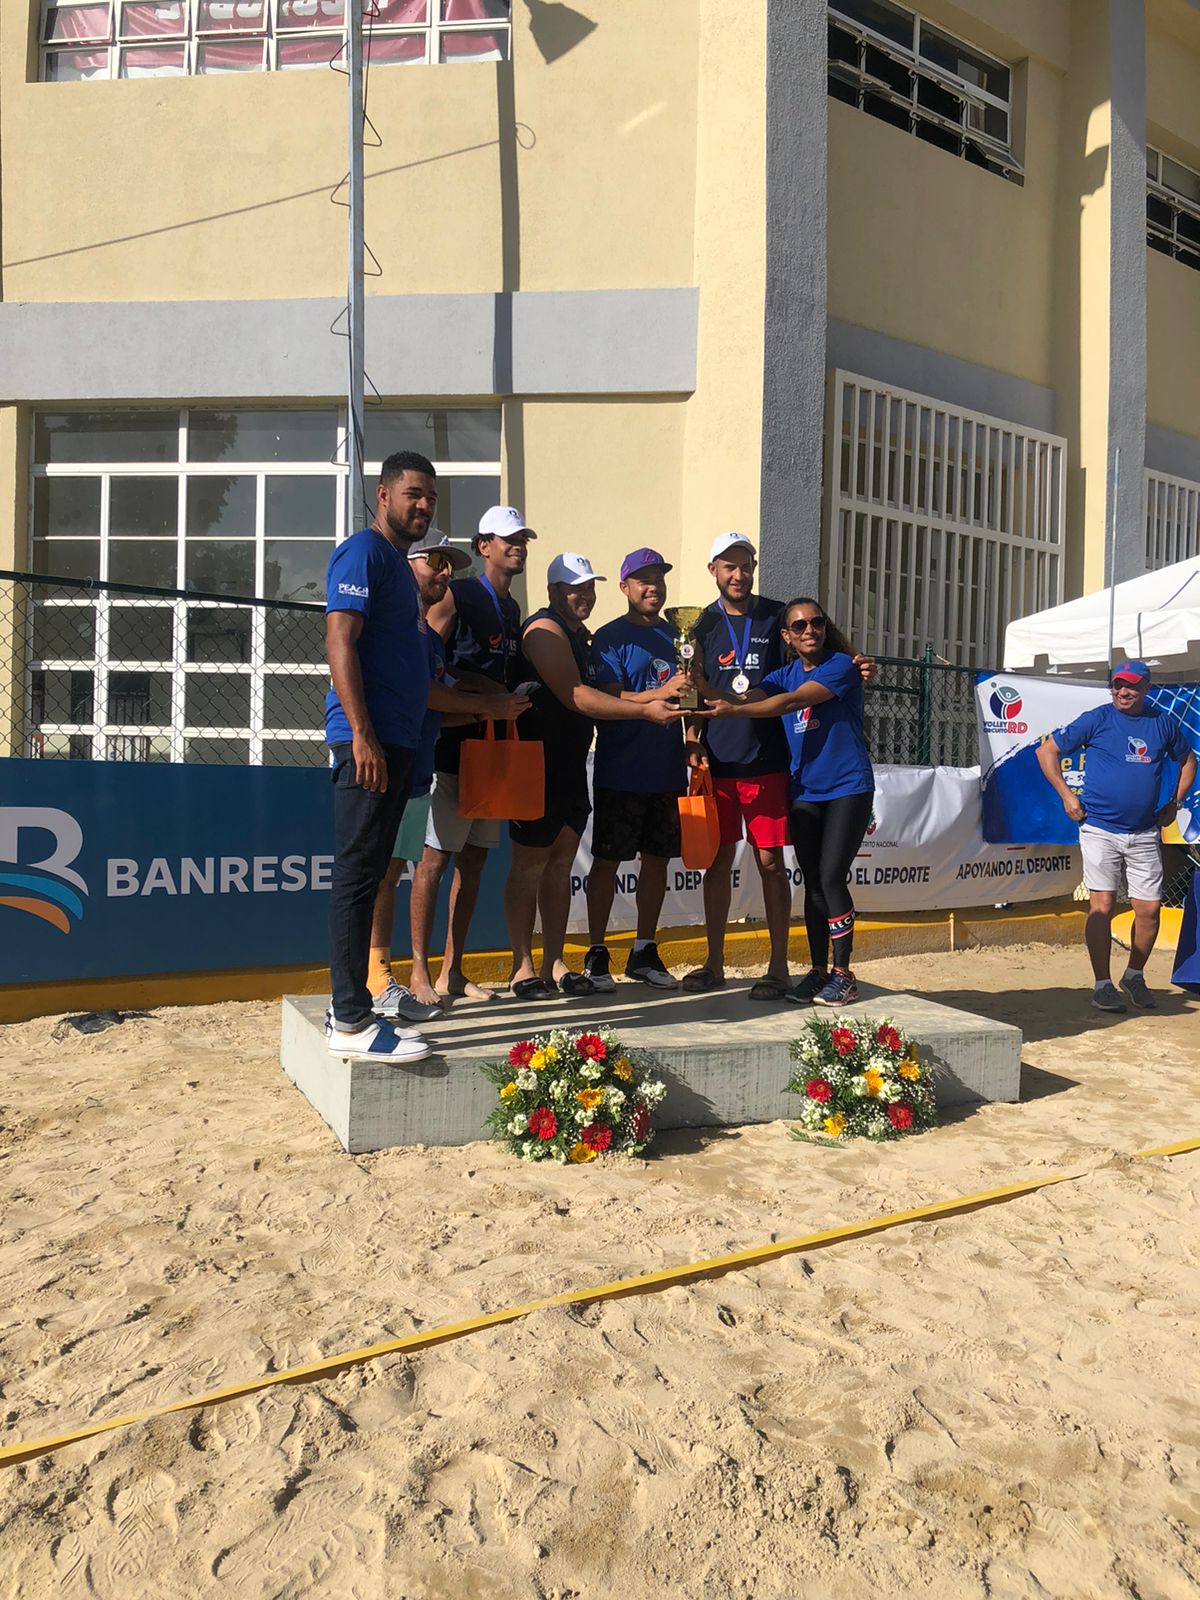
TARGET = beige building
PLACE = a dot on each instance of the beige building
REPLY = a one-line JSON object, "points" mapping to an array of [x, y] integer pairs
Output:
{"points": [[887, 288]]}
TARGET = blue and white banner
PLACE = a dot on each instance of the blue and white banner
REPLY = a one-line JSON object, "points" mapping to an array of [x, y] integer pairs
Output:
{"points": [[1015, 714]]}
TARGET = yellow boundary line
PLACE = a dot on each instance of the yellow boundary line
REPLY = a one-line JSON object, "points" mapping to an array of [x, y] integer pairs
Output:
{"points": [[329, 1366]]}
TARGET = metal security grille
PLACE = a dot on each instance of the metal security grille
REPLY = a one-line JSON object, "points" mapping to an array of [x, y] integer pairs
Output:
{"points": [[944, 524], [1172, 520]]}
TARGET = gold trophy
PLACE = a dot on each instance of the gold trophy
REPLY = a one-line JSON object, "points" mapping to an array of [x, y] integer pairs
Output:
{"points": [[684, 620]]}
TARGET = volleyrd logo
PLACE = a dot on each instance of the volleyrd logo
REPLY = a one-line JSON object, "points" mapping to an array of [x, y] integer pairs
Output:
{"points": [[873, 824], [40, 884], [1138, 751], [661, 671], [1005, 704]]}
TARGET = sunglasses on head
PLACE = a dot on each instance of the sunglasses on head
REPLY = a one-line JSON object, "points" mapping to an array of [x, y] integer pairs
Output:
{"points": [[802, 624]]}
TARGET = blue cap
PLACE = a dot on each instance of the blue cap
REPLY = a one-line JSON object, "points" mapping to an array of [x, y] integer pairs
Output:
{"points": [[636, 560], [1130, 672]]}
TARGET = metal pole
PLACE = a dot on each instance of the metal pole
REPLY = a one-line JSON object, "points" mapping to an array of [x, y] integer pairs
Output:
{"points": [[356, 489], [1112, 558]]}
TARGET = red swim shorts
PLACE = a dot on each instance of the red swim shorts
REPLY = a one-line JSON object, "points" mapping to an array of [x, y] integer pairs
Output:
{"points": [[763, 803]]}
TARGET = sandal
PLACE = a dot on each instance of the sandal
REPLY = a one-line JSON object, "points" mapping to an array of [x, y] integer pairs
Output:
{"points": [[575, 983], [702, 980], [531, 989], [770, 988]]}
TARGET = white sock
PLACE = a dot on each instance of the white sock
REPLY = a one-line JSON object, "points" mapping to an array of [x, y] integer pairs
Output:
{"points": [[1100, 982], [640, 944], [1131, 972]]}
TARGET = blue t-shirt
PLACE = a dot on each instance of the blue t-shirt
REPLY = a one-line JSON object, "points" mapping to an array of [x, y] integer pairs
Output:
{"points": [[742, 747], [829, 754], [368, 575], [1124, 762], [639, 757], [422, 775]]}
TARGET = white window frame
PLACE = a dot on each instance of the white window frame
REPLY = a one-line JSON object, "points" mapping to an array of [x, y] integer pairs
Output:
{"points": [[1172, 519], [999, 151], [106, 737], [944, 524], [1157, 188], [430, 32]]}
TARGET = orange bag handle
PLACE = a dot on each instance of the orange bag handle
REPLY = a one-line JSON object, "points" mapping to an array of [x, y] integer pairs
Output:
{"points": [[702, 783], [490, 729]]}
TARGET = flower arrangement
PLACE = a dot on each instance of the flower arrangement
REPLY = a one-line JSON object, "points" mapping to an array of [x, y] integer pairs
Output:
{"points": [[568, 1096], [860, 1078]]}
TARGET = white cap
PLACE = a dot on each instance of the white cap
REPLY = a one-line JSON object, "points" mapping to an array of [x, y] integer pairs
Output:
{"points": [[572, 569], [505, 522], [728, 541]]}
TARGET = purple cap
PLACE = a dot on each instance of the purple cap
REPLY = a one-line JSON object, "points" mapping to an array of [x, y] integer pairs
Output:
{"points": [[637, 559], [1130, 672]]}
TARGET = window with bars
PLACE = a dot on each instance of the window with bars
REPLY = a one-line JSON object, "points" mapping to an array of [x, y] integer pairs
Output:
{"points": [[1172, 208], [945, 524], [894, 65], [213, 503], [1172, 519], [83, 39]]}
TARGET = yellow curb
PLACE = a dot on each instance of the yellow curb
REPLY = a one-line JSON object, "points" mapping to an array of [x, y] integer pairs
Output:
{"points": [[329, 1366]]}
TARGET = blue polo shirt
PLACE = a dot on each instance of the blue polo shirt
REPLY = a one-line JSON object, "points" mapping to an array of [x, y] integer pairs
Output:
{"points": [[1125, 761], [369, 576], [742, 747], [829, 753], [639, 757]]}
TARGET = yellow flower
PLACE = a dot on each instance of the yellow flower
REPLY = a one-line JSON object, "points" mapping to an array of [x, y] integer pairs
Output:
{"points": [[589, 1099], [550, 1053], [834, 1125], [873, 1080], [909, 1069], [580, 1152], [623, 1068], [537, 1060], [508, 1089]]}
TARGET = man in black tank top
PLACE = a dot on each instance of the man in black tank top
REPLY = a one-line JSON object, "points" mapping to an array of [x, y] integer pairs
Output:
{"points": [[557, 661], [481, 624]]}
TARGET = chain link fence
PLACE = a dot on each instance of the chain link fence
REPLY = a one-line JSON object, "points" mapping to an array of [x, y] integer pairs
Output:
{"points": [[119, 672]]}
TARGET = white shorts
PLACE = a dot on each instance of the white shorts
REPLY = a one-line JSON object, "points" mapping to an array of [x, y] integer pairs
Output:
{"points": [[448, 829], [1105, 853]]}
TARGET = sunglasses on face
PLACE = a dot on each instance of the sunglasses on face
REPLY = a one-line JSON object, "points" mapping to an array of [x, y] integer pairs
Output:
{"points": [[436, 560], [802, 624]]}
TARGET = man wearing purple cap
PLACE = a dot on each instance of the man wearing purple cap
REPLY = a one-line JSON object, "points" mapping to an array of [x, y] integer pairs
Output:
{"points": [[638, 774], [1129, 747]]}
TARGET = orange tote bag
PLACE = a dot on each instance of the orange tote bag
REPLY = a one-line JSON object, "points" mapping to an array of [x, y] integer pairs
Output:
{"points": [[699, 825], [502, 778]]}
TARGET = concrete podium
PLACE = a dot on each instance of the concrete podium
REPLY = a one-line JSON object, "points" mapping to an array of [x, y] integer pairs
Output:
{"points": [[723, 1058]]}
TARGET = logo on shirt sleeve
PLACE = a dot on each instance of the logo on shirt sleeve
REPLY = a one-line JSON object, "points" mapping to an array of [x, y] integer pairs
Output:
{"points": [[357, 591], [1138, 751]]}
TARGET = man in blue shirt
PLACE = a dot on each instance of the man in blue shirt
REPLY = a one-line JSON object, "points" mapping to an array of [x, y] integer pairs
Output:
{"points": [[1126, 749], [379, 667], [638, 773]]}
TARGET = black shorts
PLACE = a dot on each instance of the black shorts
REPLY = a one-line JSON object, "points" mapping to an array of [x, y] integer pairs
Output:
{"points": [[567, 806], [627, 824]]}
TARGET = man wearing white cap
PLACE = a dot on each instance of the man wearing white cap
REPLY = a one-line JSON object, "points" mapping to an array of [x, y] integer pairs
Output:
{"points": [[738, 642], [556, 649], [481, 624]]}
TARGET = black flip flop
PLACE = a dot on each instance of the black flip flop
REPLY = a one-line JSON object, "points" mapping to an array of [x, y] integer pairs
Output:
{"points": [[531, 989], [770, 988], [702, 980], [576, 983]]}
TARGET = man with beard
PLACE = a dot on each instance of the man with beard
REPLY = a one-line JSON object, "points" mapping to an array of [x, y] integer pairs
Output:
{"points": [[465, 698], [379, 669], [638, 773], [558, 659], [481, 625]]}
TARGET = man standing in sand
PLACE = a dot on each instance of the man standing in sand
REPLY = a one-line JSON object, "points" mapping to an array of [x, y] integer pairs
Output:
{"points": [[481, 625], [1127, 746], [379, 671]]}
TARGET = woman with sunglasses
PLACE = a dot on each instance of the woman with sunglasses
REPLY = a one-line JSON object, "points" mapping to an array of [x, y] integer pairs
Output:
{"points": [[818, 692]]}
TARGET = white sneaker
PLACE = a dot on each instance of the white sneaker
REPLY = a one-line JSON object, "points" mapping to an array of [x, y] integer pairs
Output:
{"points": [[378, 1041], [397, 1001], [1107, 997], [1134, 985]]}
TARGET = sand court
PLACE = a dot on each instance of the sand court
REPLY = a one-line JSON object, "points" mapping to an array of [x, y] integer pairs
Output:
{"points": [[982, 1405]]}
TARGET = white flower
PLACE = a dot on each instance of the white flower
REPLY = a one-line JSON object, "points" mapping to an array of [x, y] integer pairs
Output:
{"points": [[559, 1090], [890, 1093], [582, 1116], [614, 1096], [559, 1155], [526, 1079], [591, 1070], [527, 1149], [859, 1085], [518, 1125]]}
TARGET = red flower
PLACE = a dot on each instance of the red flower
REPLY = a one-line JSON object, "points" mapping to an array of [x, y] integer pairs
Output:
{"points": [[591, 1047], [597, 1136], [641, 1122], [521, 1054], [888, 1038], [543, 1124], [818, 1089], [843, 1040], [900, 1116]]}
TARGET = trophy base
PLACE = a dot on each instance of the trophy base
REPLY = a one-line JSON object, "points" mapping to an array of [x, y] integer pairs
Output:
{"points": [[689, 700]]}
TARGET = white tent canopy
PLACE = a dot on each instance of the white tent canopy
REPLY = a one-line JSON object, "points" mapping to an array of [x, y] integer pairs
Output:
{"points": [[1155, 618]]}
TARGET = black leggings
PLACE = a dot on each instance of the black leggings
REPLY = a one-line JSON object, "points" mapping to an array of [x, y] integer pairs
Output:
{"points": [[826, 835]]}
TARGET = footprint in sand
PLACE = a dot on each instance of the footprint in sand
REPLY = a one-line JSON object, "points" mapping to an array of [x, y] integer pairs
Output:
{"points": [[139, 1545]]}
